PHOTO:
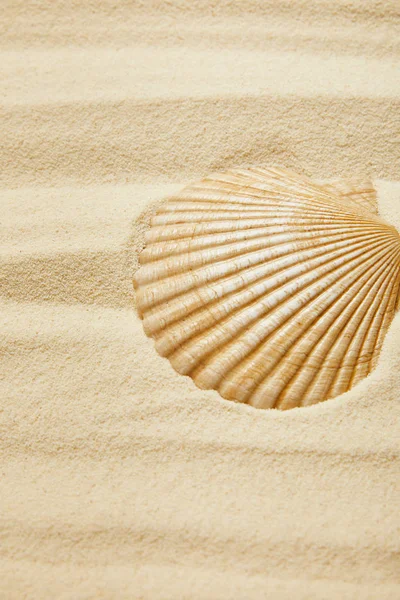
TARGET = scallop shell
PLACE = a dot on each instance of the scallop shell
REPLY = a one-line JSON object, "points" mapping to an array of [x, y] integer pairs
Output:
{"points": [[273, 290]]}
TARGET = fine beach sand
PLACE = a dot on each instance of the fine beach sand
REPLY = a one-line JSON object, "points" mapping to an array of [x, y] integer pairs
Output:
{"points": [[119, 478]]}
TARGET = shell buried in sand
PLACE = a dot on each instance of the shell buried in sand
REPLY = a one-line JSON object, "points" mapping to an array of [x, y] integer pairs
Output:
{"points": [[270, 288]]}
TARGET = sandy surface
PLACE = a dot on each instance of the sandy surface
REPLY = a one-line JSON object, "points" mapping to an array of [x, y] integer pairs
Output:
{"points": [[119, 478]]}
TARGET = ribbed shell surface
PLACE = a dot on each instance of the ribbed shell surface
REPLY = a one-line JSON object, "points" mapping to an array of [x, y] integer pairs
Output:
{"points": [[269, 288]]}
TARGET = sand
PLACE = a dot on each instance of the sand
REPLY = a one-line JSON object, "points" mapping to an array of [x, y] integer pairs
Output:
{"points": [[119, 478]]}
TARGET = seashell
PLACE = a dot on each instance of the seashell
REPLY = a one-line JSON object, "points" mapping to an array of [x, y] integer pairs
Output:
{"points": [[359, 190], [270, 288]]}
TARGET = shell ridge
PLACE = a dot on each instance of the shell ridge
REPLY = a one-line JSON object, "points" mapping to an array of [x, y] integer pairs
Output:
{"points": [[281, 263], [244, 196], [181, 231], [310, 398], [325, 381], [244, 203], [215, 214], [160, 233], [267, 181], [161, 250], [362, 192], [308, 307], [175, 285], [314, 346], [269, 287], [298, 301], [381, 275], [343, 379], [166, 268], [330, 191], [297, 207], [222, 241], [389, 313]]}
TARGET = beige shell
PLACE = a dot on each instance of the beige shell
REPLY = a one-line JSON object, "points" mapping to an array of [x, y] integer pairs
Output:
{"points": [[269, 288]]}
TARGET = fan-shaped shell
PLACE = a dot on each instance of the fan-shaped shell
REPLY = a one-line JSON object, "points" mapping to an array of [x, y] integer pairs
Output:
{"points": [[269, 288]]}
